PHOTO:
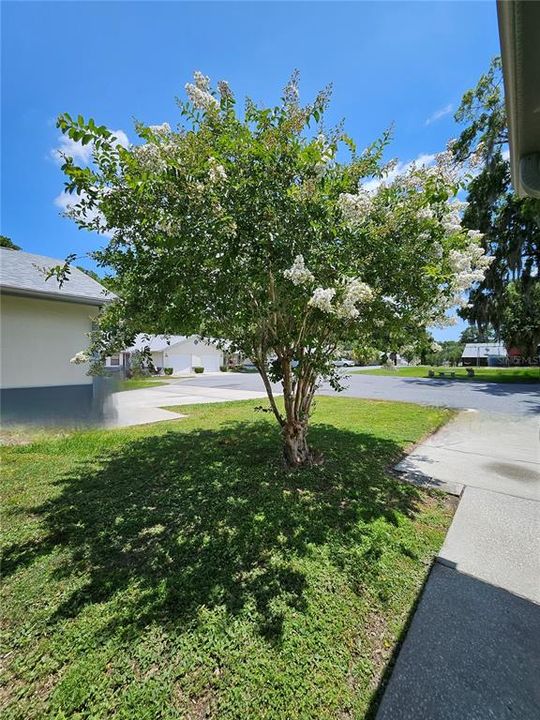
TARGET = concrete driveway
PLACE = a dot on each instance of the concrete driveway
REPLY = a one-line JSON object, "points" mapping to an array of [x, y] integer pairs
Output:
{"points": [[141, 407]]}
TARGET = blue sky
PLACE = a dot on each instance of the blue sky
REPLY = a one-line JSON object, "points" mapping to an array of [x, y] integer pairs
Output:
{"points": [[406, 63]]}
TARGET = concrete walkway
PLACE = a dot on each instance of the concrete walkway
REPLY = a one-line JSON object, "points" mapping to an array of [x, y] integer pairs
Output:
{"points": [[473, 647], [484, 450], [145, 406]]}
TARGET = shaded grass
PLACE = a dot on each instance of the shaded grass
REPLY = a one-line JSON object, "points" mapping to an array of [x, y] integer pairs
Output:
{"points": [[481, 374], [177, 571]]}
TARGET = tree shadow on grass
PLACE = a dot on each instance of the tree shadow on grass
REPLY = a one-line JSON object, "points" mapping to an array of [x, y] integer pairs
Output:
{"points": [[210, 519]]}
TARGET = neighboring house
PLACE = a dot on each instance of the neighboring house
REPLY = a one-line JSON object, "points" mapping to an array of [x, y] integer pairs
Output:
{"points": [[479, 354], [178, 352], [42, 327]]}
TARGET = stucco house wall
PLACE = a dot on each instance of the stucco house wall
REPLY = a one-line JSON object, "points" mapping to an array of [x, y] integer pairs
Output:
{"points": [[43, 324], [38, 338]]}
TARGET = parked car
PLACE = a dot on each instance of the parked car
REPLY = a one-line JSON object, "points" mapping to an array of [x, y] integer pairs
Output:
{"points": [[343, 362]]}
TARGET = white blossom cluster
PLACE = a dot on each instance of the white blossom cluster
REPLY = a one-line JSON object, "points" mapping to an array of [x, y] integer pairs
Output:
{"points": [[327, 154], [322, 299], [291, 93], [163, 129], [468, 266], [425, 213], [149, 157], [435, 347], [451, 220], [216, 173], [199, 92], [298, 273], [475, 235], [476, 159], [80, 358], [447, 168], [356, 208], [224, 90], [356, 292], [442, 320]]}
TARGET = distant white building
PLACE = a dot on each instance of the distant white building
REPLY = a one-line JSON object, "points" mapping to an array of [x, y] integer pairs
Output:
{"points": [[478, 354], [178, 352], [42, 327]]}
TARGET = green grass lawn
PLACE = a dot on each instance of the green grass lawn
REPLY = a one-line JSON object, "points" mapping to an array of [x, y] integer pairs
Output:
{"points": [[177, 571], [481, 374], [139, 383]]}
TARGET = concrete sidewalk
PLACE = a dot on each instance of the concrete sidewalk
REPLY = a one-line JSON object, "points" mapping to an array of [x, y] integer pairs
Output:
{"points": [[473, 648], [484, 450], [471, 653]]}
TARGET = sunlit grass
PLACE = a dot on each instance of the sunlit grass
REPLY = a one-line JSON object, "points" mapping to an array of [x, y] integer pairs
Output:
{"points": [[481, 374]]}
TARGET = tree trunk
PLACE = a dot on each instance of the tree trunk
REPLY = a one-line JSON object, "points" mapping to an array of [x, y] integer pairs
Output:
{"points": [[296, 451]]}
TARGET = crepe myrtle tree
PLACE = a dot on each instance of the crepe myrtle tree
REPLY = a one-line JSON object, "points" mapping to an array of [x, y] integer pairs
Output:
{"points": [[255, 227]]}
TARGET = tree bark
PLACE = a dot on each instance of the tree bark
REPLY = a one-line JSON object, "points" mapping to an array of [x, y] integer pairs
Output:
{"points": [[296, 451]]}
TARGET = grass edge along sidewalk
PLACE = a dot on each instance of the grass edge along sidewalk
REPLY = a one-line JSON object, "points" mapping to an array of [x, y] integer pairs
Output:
{"points": [[176, 570]]}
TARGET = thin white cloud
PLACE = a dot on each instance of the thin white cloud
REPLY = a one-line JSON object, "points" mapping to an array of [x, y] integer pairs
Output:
{"points": [[438, 114], [423, 160], [65, 201], [80, 153]]}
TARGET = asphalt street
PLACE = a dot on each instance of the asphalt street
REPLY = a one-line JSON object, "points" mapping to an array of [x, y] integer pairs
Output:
{"points": [[506, 398]]}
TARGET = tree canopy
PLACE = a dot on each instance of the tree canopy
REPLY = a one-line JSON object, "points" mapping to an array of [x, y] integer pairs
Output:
{"points": [[510, 225], [7, 242], [255, 229]]}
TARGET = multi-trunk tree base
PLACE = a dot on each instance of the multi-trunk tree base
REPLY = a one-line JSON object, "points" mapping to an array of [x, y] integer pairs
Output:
{"points": [[296, 451]]}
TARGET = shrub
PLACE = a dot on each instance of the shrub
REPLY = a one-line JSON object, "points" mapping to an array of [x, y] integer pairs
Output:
{"points": [[223, 368], [168, 371], [198, 370], [364, 354]]}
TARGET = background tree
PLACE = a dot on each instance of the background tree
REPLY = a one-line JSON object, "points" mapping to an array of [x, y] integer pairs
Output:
{"points": [[448, 351], [474, 334], [365, 354], [510, 225], [247, 227], [106, 280], [8, 243], [520, 322]]}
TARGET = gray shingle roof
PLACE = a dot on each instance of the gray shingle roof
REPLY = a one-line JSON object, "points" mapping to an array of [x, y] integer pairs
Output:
{"points": [[21, 274]]}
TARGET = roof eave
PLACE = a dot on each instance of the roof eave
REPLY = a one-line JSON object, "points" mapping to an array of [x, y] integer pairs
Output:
{"points": [[519, 23], [62, 297]]}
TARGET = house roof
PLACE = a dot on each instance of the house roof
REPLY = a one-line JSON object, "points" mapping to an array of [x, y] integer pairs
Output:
{"points": [[156, 343], [21, 274], [483, 350]]}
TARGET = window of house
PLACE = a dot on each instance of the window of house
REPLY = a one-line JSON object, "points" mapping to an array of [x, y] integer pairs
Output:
{"points": [[115, 360]]}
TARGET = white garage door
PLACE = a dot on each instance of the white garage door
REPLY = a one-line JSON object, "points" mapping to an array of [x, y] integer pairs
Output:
{"points": [[179, 363], [210, 363]]}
